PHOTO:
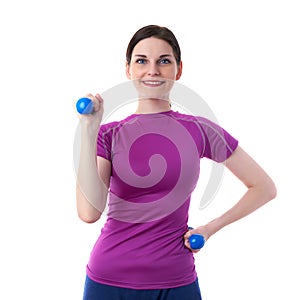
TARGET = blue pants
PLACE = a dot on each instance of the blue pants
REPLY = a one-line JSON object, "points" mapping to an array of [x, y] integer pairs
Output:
{"points": [[97, 291]]}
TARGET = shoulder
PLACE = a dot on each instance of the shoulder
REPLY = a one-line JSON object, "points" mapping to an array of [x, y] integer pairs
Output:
{"points": [[197, 120], [110, 127], [183, 116]]}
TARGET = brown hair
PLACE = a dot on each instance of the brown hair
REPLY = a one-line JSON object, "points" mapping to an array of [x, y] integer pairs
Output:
{"points": [[156, 31]]}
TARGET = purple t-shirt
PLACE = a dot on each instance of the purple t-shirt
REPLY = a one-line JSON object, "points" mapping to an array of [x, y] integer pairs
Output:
{"points": [[155, 168]]}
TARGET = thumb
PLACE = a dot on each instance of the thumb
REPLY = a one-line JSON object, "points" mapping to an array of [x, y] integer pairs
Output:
{"points": [[189, 233]]}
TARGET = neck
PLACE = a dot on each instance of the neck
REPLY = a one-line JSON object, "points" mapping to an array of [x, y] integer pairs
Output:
{"points": [[150, 106]]}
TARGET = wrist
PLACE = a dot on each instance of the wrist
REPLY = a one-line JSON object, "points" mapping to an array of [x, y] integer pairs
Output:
{"points": [[89, 133], [213, 226]]}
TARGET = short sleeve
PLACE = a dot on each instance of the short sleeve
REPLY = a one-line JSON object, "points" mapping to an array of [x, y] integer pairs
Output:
{"points": [[218, 143], [104, 143]]}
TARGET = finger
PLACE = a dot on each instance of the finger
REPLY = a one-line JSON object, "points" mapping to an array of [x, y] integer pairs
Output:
{"points": [[188, 233], [187, 236], [95, 99], [187, 245], [99, 98], [90, 96], [187, 242], [98, 102]]}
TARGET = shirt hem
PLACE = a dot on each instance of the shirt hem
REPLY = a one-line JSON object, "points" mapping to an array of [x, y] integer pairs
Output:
{"points": [[143, 286]]}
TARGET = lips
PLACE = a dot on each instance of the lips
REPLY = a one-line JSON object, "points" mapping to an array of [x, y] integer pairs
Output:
{"points": [[153, 83]]}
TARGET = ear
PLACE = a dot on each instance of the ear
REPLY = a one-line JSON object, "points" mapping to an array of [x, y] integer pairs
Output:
{"points": [[128, 74], [179, 72]]}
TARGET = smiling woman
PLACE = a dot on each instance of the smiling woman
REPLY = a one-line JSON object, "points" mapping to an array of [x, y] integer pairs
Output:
{"points": [[153, 67], [149, 164]]}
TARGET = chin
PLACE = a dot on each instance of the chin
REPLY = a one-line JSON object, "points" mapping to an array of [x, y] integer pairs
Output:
{"points": [[154, 89]]}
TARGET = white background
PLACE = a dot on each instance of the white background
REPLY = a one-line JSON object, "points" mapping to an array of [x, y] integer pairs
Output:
{"points": [[242, 57]]}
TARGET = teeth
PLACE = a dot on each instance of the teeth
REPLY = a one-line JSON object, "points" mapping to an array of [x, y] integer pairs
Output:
{"points": [[153, 82]]}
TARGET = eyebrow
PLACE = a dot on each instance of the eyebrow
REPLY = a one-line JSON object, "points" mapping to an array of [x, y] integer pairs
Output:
{"points": [[161, 56]]}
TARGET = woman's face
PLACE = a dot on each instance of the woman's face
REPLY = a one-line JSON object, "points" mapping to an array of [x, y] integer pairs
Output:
{"points": [[153, 68]]}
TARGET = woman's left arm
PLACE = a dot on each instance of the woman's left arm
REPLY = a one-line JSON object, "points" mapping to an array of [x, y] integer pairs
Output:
{"points": [[260, 190]]}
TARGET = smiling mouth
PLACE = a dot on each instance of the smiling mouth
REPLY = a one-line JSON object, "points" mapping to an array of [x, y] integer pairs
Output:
{"points": [[153, 83]]}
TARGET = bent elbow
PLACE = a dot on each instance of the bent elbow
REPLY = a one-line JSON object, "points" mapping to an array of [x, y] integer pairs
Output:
{"points": [[86, 218], [270, 191], [86, 212], [273, 192]]}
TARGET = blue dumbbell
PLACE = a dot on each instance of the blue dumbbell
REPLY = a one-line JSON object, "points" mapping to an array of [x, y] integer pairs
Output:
{"points": [[85, 106], [197, 241]]}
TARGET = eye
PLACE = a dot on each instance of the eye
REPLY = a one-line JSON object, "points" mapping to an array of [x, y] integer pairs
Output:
{"points": [[164, 61], [141, 61]]}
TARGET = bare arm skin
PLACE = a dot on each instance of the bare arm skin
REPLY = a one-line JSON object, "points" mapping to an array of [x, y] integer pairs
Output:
{"points": [[93, 172], [261, 189], [90, 208]]}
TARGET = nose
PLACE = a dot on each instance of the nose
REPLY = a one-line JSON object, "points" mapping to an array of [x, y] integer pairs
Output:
{"points": [[153, 70]]}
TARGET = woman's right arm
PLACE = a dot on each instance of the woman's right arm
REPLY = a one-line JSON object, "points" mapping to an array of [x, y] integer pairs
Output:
{"points": [[94, 172]]}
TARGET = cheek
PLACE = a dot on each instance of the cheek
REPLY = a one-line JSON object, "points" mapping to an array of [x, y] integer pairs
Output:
{"points": [[135, 72], [171, 73]]}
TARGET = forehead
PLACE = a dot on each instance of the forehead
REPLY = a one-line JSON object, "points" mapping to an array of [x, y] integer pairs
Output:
{"points": [[152, 47]]}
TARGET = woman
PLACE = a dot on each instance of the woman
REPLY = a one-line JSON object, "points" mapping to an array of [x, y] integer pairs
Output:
{"points": [[148, 165]]}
